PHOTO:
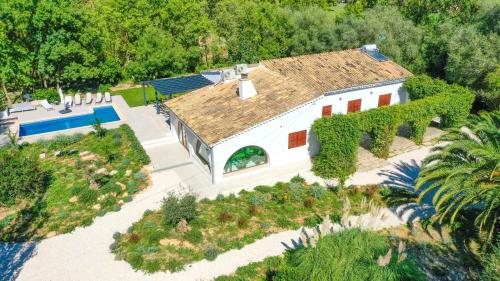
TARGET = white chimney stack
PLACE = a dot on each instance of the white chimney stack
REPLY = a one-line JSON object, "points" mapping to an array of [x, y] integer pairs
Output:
{"points": [[245, 87]]}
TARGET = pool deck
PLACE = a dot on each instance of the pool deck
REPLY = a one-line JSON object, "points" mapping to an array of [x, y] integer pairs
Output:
{"points": [[149, 126]]}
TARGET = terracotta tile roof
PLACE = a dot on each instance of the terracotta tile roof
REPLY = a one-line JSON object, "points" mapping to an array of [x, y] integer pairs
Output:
{"points": [[337, 70], [216, 112]]}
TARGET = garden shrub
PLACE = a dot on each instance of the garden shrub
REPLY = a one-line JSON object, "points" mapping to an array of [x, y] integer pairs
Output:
{"points": [[242, 222], [294, 191], [178, 208], [136, 146], [309, 202], [49, 94], [347, 255], [339, 136], [104, 88], [422, 86], [257, 199], [3, 101], [312, 221], [219, 197], [194, 236], [211, 253], [317, 191], [224, 216], [339, 139], [21, 176], [298, 179]]}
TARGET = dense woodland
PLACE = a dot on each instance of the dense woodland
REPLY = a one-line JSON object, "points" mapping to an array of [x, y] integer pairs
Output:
{"points": [[77, 43]]}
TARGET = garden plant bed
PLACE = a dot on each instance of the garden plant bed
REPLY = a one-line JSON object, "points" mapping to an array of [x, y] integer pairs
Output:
{"points": [[85, 176], [232, 222]]}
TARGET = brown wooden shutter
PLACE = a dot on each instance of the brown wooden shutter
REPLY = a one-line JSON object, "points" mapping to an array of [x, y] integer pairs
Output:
{"points": [[384, 100], [297, 139], [326, 111], [354, 105]]}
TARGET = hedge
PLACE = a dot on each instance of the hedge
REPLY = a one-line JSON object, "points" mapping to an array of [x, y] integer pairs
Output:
{"points": [[339, 135]]}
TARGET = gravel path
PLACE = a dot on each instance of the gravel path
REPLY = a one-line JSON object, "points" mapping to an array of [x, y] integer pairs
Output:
{"points": [[84, 254]]}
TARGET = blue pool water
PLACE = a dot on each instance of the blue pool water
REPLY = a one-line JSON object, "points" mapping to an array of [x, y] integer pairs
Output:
{"points": [[104, 114]]}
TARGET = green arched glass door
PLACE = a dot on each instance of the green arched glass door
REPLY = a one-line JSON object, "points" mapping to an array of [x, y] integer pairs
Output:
{"points": [[244, 158]]}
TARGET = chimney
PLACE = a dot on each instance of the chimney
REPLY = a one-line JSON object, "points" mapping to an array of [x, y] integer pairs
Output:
{"points": [[245, 87]]}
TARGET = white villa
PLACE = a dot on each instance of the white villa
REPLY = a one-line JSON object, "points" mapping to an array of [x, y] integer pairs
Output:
{"points": [[260, 116]]}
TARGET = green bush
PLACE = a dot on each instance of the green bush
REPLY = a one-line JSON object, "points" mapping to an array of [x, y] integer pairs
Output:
{"points": [[294, 190], [136, 146], [257, 199], [339, 139], [50, 95], [312, 221], [317, 191], [177, 208], [421, 86], [339, 136], [347, 255], [298, 179], [104, 88], [194, 236], [21, 176], [3, 101], [211, 254]]}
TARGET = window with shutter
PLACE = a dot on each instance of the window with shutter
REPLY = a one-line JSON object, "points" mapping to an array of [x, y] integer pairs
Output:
{"points": [[384, 100], [326, 111], [354, 105], [297, 139]]}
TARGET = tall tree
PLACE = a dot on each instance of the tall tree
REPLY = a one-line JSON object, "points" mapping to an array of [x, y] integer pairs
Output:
{"points": [[465, 174], [471, 56]]}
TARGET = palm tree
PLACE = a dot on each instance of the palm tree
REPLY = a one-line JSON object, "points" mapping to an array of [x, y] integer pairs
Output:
{"points": [[465, 174]]}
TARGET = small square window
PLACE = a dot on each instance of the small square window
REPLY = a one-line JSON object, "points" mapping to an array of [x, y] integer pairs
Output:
{"points": [[297, 139]]}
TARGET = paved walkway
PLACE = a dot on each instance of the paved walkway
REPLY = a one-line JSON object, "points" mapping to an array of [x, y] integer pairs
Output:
{"points": [[84, 255]]}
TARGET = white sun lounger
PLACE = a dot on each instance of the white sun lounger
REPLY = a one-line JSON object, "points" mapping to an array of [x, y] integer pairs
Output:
{"points": [[68, 100], [98, 98], [88, 98], [107, 97], [45, 104], [78, 99], [20, 107]]}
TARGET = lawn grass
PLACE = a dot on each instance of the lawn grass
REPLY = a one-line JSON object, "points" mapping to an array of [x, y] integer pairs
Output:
{"points": [[76, 192], [135, 96], [232, 222]]}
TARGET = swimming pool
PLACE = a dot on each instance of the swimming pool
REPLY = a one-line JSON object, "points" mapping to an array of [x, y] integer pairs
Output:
{"points": [[104, 114]]}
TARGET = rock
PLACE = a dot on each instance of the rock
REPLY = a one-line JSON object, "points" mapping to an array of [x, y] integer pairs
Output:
{"points": [[121, 185], [51, 234], [73, 199], [125, 194], [101, 171], [57, 153], [100, 198], [182, 226], [128, 173], [89, 157], [73, 151], [84, 153], [96, 207], [114, 172], [120, 202], [42, 155]]}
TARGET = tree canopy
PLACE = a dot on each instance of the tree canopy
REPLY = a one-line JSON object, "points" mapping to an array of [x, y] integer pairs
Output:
{"points": [[70, 43]]}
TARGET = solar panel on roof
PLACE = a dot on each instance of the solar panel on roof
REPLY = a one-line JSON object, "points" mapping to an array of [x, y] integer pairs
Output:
{"points": [[377, 55], [182, 84]]}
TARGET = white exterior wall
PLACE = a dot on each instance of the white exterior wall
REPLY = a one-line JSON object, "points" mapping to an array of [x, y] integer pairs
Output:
{"points": [[272, 135]]}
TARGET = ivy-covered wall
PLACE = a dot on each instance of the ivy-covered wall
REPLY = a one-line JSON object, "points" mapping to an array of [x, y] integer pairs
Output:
{"points": [[339, 136]]}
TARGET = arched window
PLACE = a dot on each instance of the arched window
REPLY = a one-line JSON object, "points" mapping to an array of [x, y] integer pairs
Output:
{"points": [[244, 158]]}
